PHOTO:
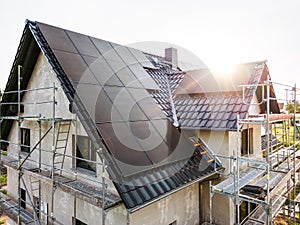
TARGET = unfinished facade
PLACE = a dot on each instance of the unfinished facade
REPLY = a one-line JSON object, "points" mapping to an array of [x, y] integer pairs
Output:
{"points": [[99, 133], [76, 117]]}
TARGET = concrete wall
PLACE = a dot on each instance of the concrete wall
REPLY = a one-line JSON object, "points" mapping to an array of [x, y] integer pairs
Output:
{"points": [[43, 76], [221, 143], [182, 207], [218, 141], [254, 108], [64, 210], [222, 207]]}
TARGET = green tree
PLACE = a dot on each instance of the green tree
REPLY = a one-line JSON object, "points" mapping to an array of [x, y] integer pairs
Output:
{"points": [[290, 107]]}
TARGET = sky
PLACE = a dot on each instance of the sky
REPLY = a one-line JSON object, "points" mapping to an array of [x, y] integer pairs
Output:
{"points": [[219, 32]]}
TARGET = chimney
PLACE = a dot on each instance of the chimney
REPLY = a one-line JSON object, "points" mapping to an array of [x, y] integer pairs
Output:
{"points": [[171, 56]]}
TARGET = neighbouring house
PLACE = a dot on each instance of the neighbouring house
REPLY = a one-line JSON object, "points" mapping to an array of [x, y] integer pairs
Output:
{"points": [[209, 103], [110, 134]]}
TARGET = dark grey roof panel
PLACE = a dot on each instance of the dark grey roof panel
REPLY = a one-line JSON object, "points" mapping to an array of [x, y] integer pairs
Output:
{"points": [[106, 49], [147, 104], [143, 77], [74, 65], [125, 75], [105, 111], [141, 58], [57, 38], [150, 140], [125, 54], [99, 107], [123, 145], [83, 44], [125, 104], [102, 71], [84, 92], [128, 78]]}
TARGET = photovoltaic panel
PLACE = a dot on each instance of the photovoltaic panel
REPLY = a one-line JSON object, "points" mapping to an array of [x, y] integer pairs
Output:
{"points": [[141, 58], [75, 67], [124, 74], [123, 145], [168, 132], [84, 92], [160, 154], [150, 140], [143, 77], [102, 71], [125, 54], [126, 105], [57, 38], [105, 111], [106, 49], [146, 102], [83, 44]]}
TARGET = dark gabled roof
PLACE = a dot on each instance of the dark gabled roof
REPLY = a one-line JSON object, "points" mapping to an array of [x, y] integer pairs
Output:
{"points": [[210, 111], [206, 100], [205, 81], [27, 54], [110, 91]]}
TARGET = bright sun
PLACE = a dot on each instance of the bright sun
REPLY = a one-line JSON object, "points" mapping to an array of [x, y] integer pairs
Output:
{"points": [[223, 68]]}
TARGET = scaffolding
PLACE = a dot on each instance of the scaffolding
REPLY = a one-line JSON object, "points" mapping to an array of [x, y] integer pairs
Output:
{"points": [[54, 173], [267, 184]]}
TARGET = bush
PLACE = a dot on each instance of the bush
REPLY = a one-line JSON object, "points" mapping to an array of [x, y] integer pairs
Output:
{"points": [[3, 191], [3, 180]]}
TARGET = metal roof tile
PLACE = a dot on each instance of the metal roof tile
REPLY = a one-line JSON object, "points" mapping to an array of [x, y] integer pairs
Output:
{"points": [[233, 116], [213, 115], [195, 115], [223, 124], [209, 123], [196, 123], [206, 116], [203, 123], [220, 116], [216, 123], [190, 123], [231, 124], [237, 108]]}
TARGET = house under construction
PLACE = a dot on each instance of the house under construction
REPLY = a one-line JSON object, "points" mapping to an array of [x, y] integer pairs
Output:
{"points": [[100, 133]]}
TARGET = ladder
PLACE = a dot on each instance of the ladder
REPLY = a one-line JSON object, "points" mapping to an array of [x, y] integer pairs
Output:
{"points": [[35, 186], [61, 144]]}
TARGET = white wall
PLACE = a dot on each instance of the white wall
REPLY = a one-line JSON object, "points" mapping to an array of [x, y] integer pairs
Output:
{"points": [[43, 76], [182, 206], [218, 142]]}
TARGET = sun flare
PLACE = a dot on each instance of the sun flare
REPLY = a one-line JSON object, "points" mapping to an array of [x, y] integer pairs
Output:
{"points": [[223, 68]]}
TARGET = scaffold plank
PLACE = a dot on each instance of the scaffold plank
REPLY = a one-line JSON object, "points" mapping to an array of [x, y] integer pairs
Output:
{"points": [[246, 177]]}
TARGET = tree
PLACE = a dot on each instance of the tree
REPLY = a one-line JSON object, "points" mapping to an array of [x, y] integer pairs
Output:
{"points": [[290, 107]]}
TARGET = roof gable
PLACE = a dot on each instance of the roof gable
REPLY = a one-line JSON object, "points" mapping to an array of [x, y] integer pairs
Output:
{"points": [[204, 81]]}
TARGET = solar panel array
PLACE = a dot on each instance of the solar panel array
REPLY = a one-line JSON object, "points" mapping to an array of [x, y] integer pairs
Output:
{"points": [[112, 83]]}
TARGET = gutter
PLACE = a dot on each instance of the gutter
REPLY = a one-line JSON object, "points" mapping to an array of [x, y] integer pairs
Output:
{"points": [[207, 129]]}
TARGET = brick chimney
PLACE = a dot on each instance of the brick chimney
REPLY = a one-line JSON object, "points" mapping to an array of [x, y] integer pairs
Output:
{"points": [[171, 56]]}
